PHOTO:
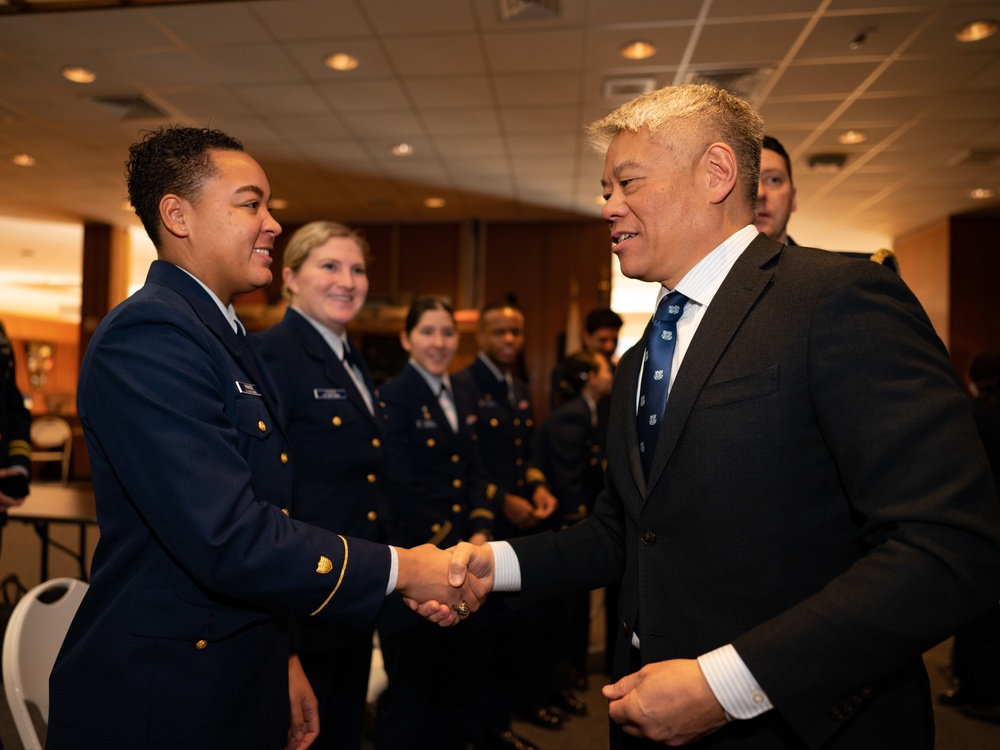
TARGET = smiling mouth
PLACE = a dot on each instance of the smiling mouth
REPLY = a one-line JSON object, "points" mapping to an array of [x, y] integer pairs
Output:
{"points": [[265, 251], [621, 238]]}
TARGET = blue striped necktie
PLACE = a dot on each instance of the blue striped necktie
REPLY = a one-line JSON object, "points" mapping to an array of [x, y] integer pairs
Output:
{"points": [[661, 339]]}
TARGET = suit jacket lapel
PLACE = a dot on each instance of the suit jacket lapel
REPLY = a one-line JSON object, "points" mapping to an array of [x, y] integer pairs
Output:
{"points": [[627, 373], [739, 291]]}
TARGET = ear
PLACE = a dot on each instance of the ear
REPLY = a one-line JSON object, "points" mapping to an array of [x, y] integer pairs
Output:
{"points": [[172, 212], [793, 204], [404, 341], [721, 166], [288, 276]]}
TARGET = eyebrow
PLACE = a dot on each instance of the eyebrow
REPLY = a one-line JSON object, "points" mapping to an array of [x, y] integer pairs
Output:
{"points": [[619, 168], [249, 189]]}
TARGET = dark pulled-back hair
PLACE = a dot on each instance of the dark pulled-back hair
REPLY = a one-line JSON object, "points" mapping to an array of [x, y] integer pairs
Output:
{"points": [[423, 304], [602, 317], [574, 372], [174, 159]]}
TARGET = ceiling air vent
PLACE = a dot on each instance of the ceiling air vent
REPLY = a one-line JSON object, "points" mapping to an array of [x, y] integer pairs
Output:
{"points": [[521, 10], [130, 107], [627, 88], [746, 84]]}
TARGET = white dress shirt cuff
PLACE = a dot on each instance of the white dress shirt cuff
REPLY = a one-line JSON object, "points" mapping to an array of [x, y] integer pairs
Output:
{"points": [[734, 687], [393, 570], [506, 567]]}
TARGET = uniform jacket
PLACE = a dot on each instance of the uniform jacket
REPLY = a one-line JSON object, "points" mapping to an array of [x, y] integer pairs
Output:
{"points": [[818, 498], [336, 441], [436, 491], [567, 449], [181, 640], [502, 431], [15, 419]]}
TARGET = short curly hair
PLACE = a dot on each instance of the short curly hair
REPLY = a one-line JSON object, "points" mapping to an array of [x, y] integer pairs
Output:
{"points": [[174, 159]]}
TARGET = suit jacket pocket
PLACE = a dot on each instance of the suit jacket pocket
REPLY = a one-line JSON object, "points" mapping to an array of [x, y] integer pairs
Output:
{"points": [[746, 387]]}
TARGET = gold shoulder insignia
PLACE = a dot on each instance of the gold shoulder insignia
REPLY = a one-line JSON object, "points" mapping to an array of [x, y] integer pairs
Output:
{"points": [[324, 566]]}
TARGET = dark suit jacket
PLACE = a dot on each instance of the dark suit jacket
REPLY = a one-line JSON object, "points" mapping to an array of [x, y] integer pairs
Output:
{"points": [[181, 640], [818, 498]]}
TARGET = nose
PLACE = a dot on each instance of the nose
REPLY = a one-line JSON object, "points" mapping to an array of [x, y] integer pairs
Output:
{"points": [[761, 195], [271, 225], [613, 207]]}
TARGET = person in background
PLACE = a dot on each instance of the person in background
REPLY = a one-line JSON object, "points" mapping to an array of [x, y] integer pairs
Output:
{"points": [[15, 434], [331, 414], [798, 504], [601, 329], [976, 650], [182, 639], [502, 419], [775, 192], [569, 448], [436, 493]]}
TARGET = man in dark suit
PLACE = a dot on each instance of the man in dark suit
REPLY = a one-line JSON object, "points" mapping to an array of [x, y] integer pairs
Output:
{"points": [[817, 508], [15, 434], [182, 639], [775, 192]]}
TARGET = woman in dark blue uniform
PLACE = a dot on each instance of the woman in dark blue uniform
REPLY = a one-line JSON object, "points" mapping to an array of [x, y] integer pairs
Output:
{"points": [[569, 449], [435, 491], [332, 417]]}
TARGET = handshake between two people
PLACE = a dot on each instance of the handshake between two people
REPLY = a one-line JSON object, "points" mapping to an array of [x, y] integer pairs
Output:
{"points": [[445, 586]]}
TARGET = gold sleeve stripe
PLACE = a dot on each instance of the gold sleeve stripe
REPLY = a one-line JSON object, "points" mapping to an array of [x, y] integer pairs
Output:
{"points": [[339, 580], [19, 448], [481, 513], [442, 533], [491, 491], [534, 475]]}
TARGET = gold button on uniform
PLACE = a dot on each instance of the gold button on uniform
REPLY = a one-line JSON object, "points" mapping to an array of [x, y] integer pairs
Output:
{"points": [[284, 457], [376, 443], [455, 459], [517, 441], [337, 421], [519, 461], [456, 483], [430, 442], [517, 421], [456, 508], [201, 644], [261, 426], [371, 479], [372, 515], [494, 422]]}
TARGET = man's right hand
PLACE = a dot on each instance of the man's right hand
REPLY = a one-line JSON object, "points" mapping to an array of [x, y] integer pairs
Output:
{"points": [[470, 558]]}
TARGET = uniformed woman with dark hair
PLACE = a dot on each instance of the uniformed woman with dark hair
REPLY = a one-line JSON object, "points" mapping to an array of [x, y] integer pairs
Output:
{"points": [[435, 491]]}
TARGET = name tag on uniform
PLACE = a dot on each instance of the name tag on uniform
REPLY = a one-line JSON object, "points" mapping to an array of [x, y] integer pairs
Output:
{"points": [[426, 424], [329, 394], [248, 388]]}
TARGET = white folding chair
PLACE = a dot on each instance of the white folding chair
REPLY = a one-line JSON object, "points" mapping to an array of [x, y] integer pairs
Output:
{"points": [[34, 635]]}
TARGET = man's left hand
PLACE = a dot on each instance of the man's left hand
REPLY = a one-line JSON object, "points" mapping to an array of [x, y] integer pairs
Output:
{"points": [[544, 501], [668, 701]]}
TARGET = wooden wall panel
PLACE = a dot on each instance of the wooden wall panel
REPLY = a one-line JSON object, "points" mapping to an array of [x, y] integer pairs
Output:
{"points": [[975, 301], [925, 265]]}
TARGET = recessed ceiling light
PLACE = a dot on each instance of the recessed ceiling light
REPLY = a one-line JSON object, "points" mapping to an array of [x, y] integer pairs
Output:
{"points": [[277, 204], [402, 149], [23, 160], [850, 137], [976, 30], [76, 74], [342, 61], [435, 202], [982, 193], [638, 50]]}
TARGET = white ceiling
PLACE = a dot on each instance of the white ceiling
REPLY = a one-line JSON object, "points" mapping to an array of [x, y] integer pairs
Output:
{"points": [[495, 110]]}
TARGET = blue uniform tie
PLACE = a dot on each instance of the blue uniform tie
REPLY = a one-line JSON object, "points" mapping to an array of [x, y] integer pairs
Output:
{"points": [[660, 342]]}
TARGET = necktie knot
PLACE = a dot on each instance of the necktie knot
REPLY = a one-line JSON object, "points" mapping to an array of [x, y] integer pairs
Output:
{"points": [[670, 308]]}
